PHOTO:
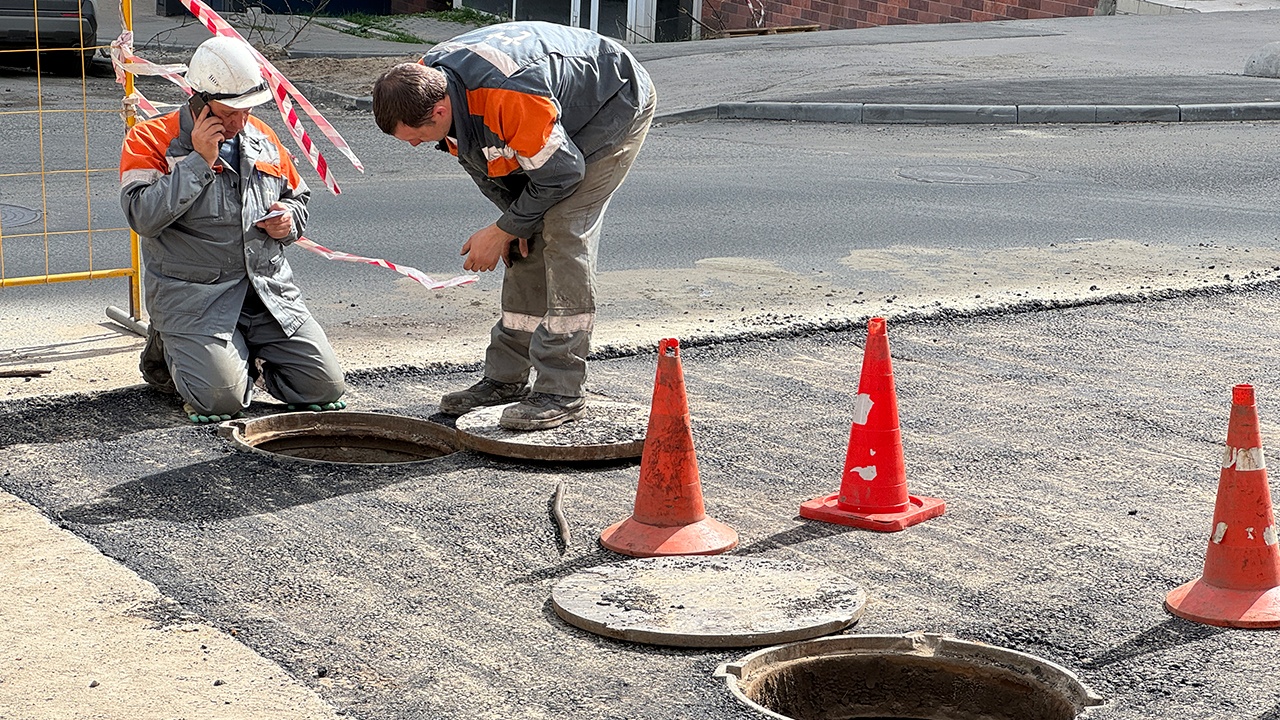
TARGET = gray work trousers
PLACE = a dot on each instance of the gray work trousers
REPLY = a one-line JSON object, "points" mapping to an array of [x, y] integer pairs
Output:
{"points": [[213, 375], [548, 298]]}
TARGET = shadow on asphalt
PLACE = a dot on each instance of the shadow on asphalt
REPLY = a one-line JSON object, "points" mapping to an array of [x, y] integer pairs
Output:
{"points": [[786, 538], [243, 484], [796, 535], [595, 559], [1168, 634]]}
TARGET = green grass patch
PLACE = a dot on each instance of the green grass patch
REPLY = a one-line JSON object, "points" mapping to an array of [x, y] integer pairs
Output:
{"points": [[377, 27], [383, 27], [463, 15]]}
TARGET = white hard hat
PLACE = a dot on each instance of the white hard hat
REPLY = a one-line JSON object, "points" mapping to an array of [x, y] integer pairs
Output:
{"points": [[224, 69]]}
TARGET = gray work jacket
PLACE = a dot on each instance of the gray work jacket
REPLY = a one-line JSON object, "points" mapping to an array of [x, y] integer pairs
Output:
{"points": [[201, 250], [533, 103]]}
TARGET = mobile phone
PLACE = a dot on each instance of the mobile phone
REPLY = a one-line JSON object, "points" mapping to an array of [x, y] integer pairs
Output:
{"points": [[197, 104]]}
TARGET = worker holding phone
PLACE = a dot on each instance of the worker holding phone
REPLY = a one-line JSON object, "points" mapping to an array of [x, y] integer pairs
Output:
{"points": [[215, 198]]}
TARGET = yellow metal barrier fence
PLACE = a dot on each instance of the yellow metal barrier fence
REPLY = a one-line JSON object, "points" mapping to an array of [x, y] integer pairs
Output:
{"points": [[27, 172]]}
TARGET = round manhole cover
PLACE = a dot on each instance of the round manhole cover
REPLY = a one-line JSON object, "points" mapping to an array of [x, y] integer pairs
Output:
{"points": [[965, 174], [608, 431], [356, 438], [12, 216], [699, 601]]}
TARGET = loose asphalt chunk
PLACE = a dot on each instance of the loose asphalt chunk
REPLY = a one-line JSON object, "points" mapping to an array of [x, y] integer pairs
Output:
{"points": [[1077, 451]]}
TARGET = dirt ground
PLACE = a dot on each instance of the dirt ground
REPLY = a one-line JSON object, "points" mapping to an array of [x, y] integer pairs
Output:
{"points": [[353, 76]]}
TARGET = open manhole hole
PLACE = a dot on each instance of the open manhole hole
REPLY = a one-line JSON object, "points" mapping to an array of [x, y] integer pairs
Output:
{"points": [[12, 216], [965, 174], [909, 677], [342, 437]]}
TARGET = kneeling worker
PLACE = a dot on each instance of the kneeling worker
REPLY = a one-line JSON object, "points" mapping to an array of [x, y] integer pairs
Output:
{"points": [[215, 198]]}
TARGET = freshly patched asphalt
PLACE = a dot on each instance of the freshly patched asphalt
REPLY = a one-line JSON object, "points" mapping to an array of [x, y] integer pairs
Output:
{"points": [[1077, 451]]}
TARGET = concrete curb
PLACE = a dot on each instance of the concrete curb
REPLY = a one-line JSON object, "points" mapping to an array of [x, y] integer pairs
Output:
{"points": [[878, 113], [350, 102], [909, 114]]}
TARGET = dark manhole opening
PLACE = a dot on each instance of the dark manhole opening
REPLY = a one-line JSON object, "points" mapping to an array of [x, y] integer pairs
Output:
{"points": [[343, 437], [905, 677]]}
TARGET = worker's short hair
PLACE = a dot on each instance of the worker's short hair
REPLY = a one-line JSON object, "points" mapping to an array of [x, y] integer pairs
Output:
{"points": [[405, 94]]}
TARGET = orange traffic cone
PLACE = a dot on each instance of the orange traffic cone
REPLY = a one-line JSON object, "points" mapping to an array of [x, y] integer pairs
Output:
{"points": [[1241, 582], [669, 518], [873, 491]]}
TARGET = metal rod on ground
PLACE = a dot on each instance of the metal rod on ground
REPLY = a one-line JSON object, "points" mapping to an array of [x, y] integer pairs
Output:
{"points": [[139, 327], [24, 373], [557, 512]]}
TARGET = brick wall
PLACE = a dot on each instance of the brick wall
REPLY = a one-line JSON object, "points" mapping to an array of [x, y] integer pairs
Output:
{"points": [[734, 14]]}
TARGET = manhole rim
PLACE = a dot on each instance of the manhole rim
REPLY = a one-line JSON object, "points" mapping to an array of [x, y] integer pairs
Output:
{"points": [[468, 439], [297, 423], [917, 644]]}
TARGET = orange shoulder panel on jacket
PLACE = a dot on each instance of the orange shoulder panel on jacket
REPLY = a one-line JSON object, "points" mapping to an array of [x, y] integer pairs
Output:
{"points": [[523, 121], [147, 142], [287, 169]]}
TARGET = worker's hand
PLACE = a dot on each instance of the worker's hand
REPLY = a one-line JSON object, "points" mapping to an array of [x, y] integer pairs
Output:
{"points": [[278, 227], [207, 134], [487, 246]]}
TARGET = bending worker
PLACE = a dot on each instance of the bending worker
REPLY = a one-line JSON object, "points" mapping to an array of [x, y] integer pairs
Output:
{"points": [[215, 198], [547, 120]]}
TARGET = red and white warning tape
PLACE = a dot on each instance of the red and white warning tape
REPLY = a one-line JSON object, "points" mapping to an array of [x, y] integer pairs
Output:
{"points": [[283, 90], [413, 273], [123, 60]]}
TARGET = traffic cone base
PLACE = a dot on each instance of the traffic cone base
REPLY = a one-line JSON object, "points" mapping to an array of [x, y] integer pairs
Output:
{"points": [[637, 539], [827, 509], [1204, 603]]}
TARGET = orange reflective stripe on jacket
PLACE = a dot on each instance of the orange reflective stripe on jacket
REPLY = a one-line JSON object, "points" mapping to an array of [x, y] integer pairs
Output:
{"points": [[524, 122], [146, 146]]}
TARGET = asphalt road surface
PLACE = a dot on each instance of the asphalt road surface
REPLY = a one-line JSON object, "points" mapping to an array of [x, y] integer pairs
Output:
{"points": [[1077, 451]]}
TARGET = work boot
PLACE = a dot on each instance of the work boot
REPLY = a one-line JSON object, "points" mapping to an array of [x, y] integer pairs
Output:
{"points": [[152, 364], [542, 411], [483, 394]]}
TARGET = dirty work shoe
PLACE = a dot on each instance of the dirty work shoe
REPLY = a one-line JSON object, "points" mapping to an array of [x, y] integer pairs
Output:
{"points": [[542, 411], [152, 365], [483, 394]]}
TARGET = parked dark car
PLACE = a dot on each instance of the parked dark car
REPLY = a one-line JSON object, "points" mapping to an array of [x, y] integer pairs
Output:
{"points": [[66, 29]]}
